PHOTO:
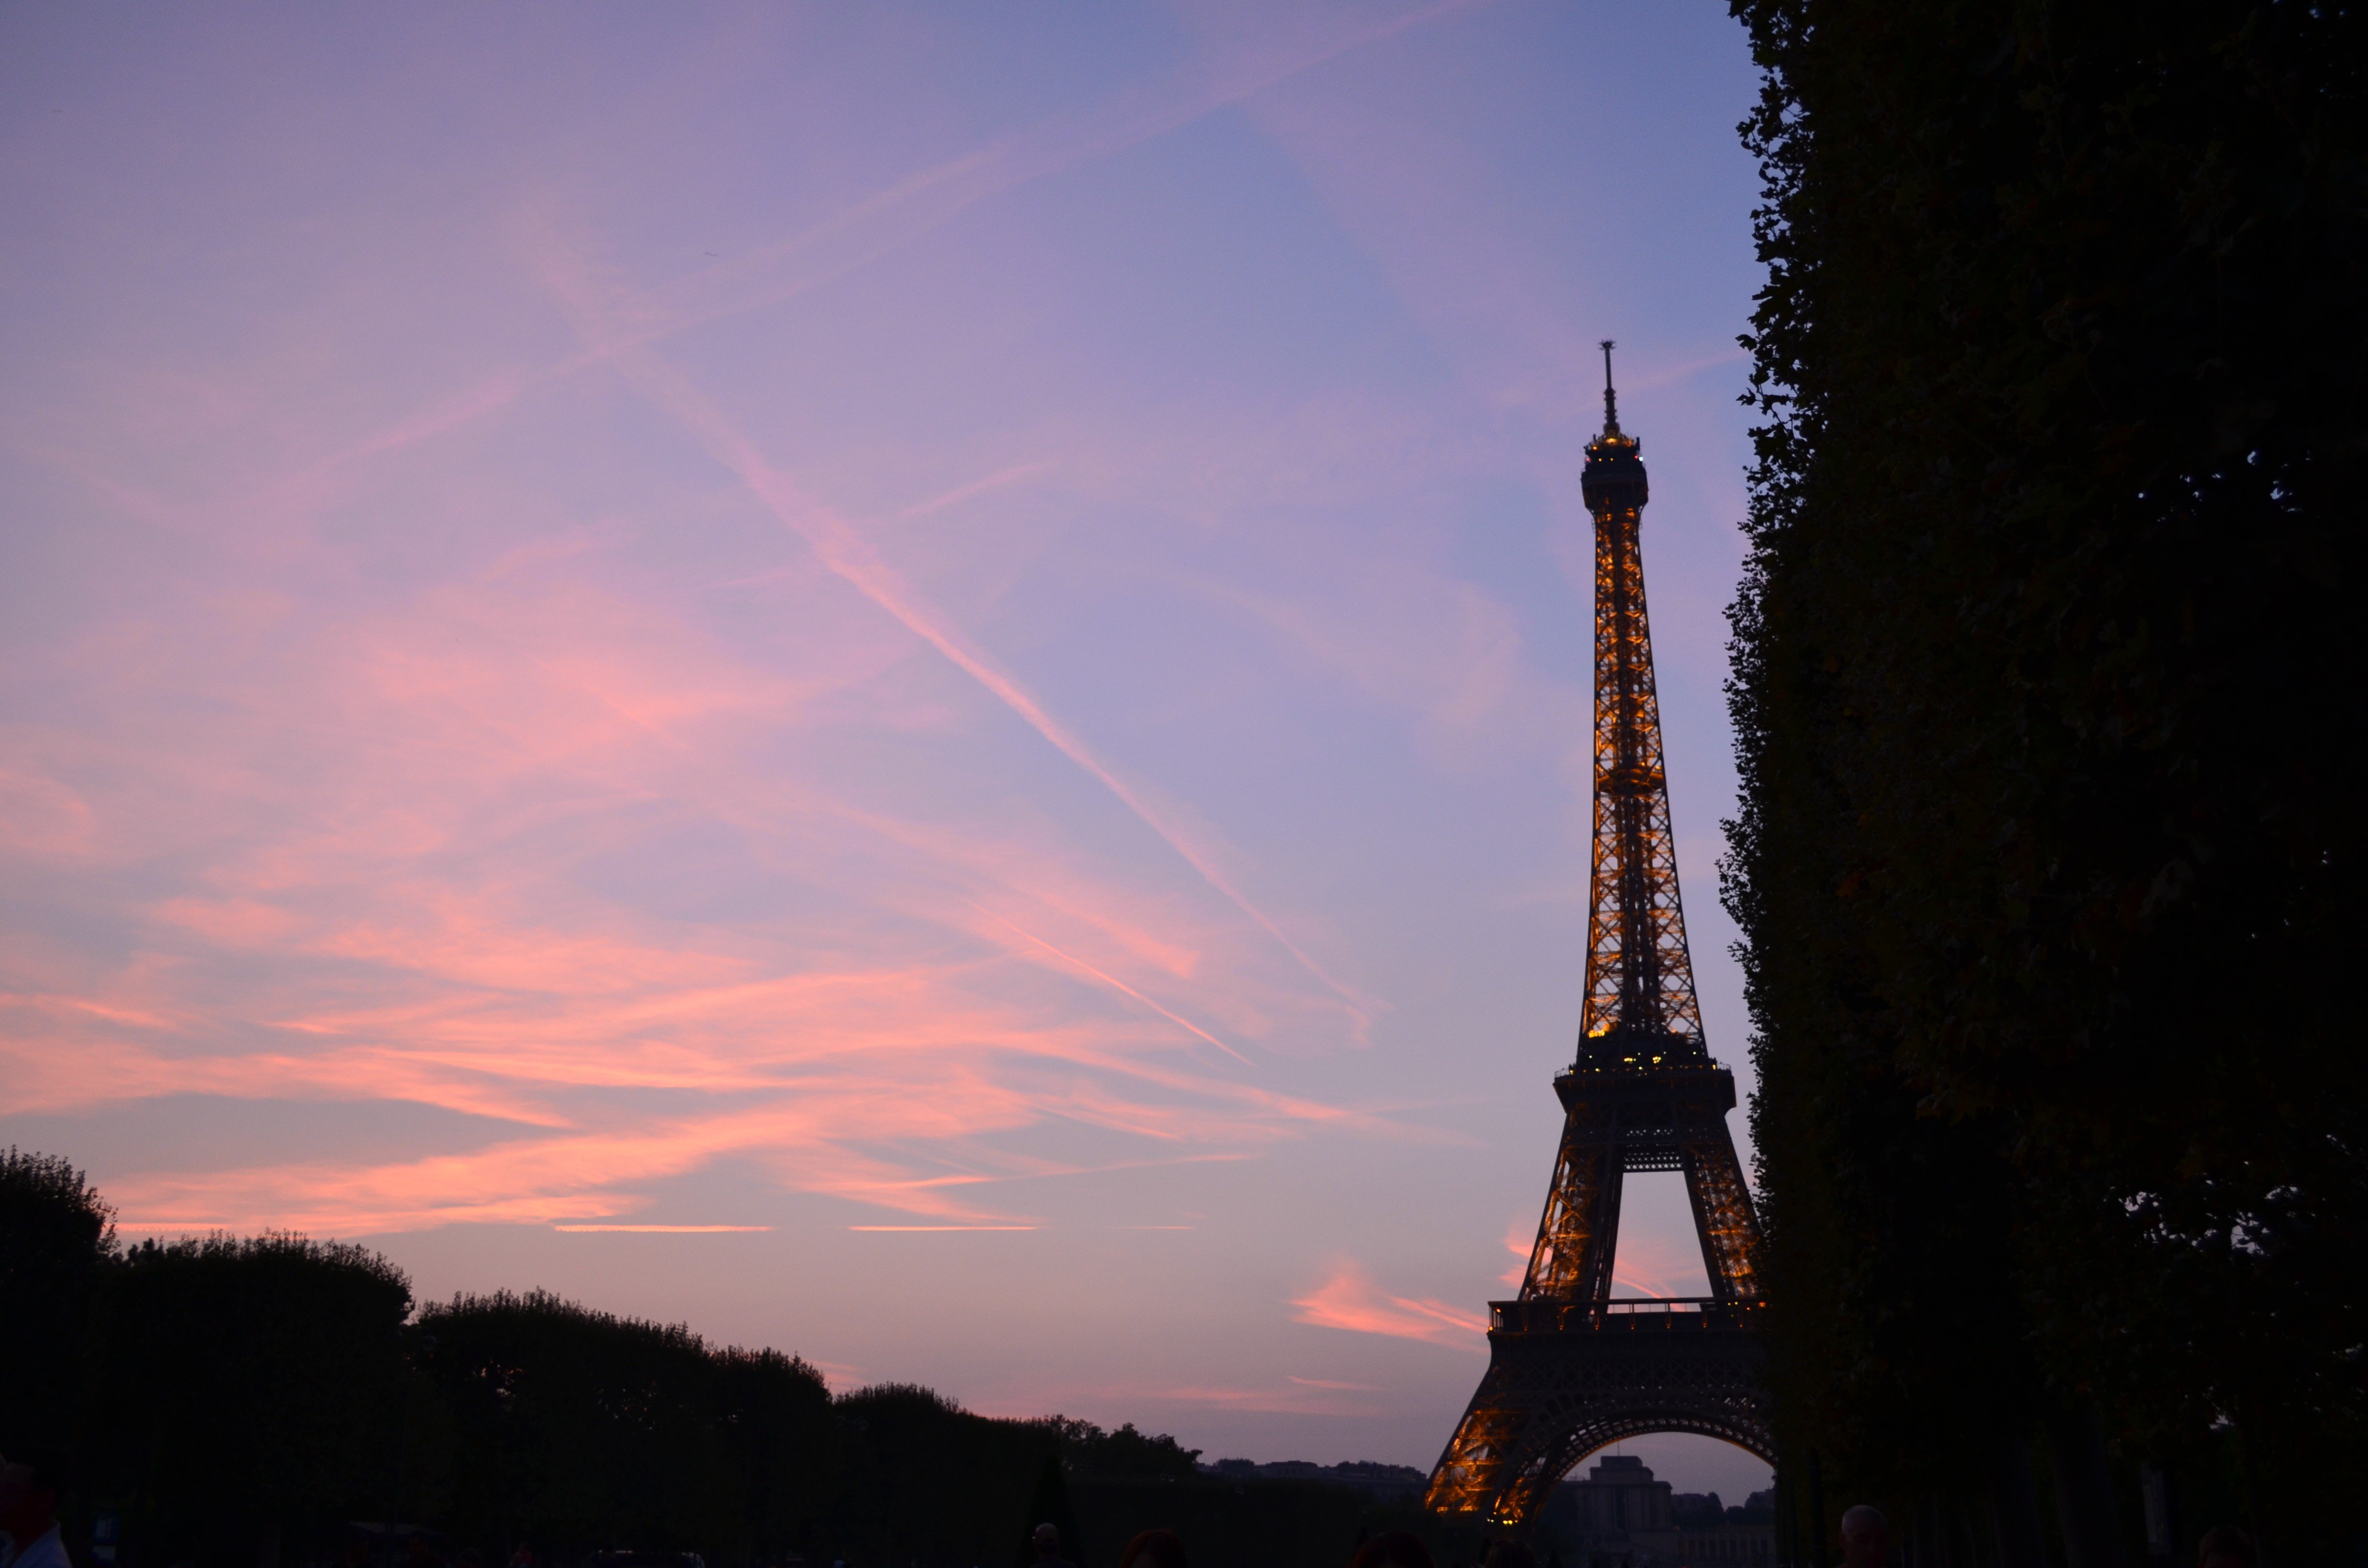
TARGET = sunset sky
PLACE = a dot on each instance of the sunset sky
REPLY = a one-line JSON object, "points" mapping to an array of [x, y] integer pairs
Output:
{"points": [[907, 682]]}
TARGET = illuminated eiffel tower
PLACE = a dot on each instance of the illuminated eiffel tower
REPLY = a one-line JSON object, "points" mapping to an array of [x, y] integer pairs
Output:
{"points": [[1571, 1369]]}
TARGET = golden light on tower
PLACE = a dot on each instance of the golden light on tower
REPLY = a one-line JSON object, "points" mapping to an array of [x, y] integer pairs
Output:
{"points": [[1570, 1368], [1640, 976]]}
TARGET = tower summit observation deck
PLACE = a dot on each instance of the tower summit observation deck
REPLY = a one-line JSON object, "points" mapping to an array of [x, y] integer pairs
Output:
{"points": [[1571, 1369]]}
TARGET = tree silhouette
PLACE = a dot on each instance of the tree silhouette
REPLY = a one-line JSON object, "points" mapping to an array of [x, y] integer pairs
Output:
{"points": [[56, 1237], [245, 1386], [2046, 698]]}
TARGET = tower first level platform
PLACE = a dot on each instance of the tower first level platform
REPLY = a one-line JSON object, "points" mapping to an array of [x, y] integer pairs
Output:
{"points": [[1566, 1379], [1571, 1369]]}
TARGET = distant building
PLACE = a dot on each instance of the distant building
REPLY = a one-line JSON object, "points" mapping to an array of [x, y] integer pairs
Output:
{"points": [[1621, 1497], [1620, 1516]]}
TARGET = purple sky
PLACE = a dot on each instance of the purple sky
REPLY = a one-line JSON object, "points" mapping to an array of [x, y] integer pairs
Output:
{"points": [[955, 638]]}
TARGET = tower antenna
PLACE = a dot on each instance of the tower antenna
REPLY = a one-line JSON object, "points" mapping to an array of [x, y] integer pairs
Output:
{"points": [[1610, 398]]}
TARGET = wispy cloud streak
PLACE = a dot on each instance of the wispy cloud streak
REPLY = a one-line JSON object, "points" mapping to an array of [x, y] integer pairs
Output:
{"points": [[854, 559], [1120, 985], [1349, 1300]]}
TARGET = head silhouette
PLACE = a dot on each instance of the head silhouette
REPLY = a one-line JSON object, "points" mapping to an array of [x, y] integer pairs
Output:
{"points": [[1865, 1535]]}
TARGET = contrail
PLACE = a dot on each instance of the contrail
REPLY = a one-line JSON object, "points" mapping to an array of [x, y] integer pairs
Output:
{"points": [[848, 554], [940, 193], [1113, 981], [915, 205]]}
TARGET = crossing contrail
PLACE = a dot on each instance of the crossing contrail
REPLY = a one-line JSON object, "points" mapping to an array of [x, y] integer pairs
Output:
{"points": [[846, 552]]}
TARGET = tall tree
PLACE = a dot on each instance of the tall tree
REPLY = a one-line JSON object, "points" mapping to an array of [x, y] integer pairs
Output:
{"points": [[778, 1426], [57, 1235], [247, 1388], [579, 1427], [2045, 695], [934, 1482]]}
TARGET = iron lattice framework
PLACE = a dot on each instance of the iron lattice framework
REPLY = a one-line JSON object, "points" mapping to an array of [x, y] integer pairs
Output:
{"points": [[1640, 977], [1569, 1369]]}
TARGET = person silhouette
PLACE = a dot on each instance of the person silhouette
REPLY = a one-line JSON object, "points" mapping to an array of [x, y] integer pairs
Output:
{"points": [[29, 1489], [1865, 1536]]}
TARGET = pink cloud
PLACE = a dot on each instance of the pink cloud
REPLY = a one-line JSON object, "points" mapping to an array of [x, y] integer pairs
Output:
{"points": [[884, 1055], [414, 952], [41, 816], [855, 558], [1650, 1264], [664, 1230], [1123, 987], [1349, 1299], [1519, 1239]]}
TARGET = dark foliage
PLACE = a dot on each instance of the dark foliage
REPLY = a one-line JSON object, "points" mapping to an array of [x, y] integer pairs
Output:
{"points": [[574, 1425], [56, 1237], [936, 1481], [236, 1402], [244, 1386], [2046, 700], [1124, 1455], [775, 1419]]}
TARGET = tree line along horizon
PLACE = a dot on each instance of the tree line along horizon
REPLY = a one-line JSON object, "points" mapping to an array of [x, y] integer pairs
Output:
{"points": [[257, 1400]]}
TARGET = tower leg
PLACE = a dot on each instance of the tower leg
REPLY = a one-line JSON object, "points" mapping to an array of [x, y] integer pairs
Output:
{"points": [[1724, 1220], [1605, 1253], [1572, 1257]]}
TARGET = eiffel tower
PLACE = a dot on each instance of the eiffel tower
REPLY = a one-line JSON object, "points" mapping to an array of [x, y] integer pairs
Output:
{"points": [[1570, 1368]]}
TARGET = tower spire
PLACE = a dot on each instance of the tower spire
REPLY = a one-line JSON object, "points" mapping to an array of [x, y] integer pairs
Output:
{"points": [[1610, 398]]}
